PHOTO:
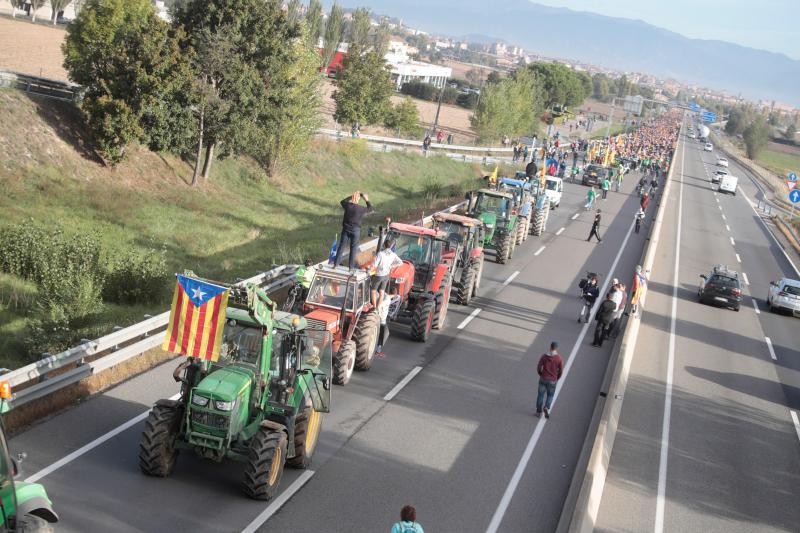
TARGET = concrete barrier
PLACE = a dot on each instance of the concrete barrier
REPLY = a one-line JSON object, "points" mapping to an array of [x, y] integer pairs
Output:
{"points": [[582, 504]]}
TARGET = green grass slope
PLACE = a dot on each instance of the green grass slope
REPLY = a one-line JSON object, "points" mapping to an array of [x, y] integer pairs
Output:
{"points": [[236, 224]]}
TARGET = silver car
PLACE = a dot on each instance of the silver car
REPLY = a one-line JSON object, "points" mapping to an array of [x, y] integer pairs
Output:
{"points": [[784, 295]]}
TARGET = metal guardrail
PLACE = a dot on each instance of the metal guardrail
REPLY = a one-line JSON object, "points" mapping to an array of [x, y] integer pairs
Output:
{"points": [[41, 86], [486, 150], [55, 372]]}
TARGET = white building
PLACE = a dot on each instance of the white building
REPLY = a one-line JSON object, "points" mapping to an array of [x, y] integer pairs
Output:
{"points": [[405, 70]]}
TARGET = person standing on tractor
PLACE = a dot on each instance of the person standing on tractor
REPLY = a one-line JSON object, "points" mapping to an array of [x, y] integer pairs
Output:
{"points": [[385, 261], [408, 521], [351, 225], [550, 368], [531, 170]]}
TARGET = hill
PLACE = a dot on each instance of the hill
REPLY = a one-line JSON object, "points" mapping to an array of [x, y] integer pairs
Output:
{"points": [[608, 41], [237, 224]]}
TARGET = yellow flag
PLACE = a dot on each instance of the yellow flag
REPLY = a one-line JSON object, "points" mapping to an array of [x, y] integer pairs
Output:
{"points": [[493, 175]]}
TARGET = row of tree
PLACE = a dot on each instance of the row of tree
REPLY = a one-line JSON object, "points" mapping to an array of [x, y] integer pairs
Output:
{"points": [[757, 127], [56, 7]]}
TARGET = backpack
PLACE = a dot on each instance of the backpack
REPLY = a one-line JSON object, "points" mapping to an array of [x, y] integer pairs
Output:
{"points": [[408, 529], [582, 283]]}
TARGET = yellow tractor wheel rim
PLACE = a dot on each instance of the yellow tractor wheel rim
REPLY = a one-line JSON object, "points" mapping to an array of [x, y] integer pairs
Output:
{"points": [[312, 433], [275, 467]]}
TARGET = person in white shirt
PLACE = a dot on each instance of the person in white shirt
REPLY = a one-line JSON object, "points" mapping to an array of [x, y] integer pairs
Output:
{"points": [[383, 311], [385, 261]]}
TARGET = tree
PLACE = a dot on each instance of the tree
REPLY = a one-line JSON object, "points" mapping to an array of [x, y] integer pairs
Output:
{"points": [[791, 131], [738, 119], [56, 6], [404, 117], [363, 89], [16, 4], [35, 6], [474, 76], [381, 36], [314, 23], [494, 77], [132, 70], [294, 11], [561, 85], [509, 107], [756, 137], [334, 30], [600, 87], [358, 32]]}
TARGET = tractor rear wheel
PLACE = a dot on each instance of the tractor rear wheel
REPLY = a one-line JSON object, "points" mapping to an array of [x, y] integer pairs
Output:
{"points": [[527, 229], [540, 221], [513, 243], [466, 287], [422, 320], [521, 225], [265, 460], [343, 362], [442, 302], [366, 337], [307, 425], [33, 524], [504, 251], [157, 450]]}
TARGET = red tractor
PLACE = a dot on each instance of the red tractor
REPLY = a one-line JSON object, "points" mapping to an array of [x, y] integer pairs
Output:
{"points": [[465, 235], [338, 302], [423, 281]]}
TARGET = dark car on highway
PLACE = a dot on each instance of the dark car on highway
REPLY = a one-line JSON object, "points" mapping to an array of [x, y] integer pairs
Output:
{"points": [[593, 175], [721, 287]]}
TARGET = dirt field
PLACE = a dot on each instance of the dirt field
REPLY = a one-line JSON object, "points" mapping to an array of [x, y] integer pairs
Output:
{"points": [[32, 49]]}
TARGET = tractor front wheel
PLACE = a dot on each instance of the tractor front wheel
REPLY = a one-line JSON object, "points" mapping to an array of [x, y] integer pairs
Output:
{"points": [[306, 434], [466, 286], [422, 320], [157, 450], [344, 362], [504, 251], [366, 337], [265, 460], [442, 302]]}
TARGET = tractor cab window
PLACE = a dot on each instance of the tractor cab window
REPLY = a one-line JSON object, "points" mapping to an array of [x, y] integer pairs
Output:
{"points": [[413, 248], [241, 343], [437, 249], [283, 353], [495, 204], [330, 292], [453, 231], [551, 185]]}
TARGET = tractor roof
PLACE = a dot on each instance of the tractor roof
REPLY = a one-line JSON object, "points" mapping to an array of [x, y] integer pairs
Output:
{"points": [[490, 192], [416, 230], [511, 182], [459, 219], [341, 273]]}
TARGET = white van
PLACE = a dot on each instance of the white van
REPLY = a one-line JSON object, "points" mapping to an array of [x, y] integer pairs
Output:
{"points": [[553, 188], [728, 184]]}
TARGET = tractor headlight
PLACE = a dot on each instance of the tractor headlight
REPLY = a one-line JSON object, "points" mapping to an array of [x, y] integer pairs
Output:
{"points": [[202, 401], [223, 406]]}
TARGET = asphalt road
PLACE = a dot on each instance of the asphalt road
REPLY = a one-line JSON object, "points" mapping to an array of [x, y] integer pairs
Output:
{"points": [[707, 440], [452, 442]]}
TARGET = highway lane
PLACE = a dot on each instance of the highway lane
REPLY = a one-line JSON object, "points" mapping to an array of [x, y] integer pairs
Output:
{"points": [[473, 400], [731, 457]]}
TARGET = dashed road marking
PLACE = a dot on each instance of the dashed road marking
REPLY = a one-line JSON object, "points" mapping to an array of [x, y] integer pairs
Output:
{"points": [[559, 232], [746, 281], [771, 349], [796, 422], [576, 215], [755, 306], [738, 258], [727, 227], [720, 207], [397, 388], [733, 243], [540, 250], [467, 320], [279, 502], [723, 217], [510, 278]]}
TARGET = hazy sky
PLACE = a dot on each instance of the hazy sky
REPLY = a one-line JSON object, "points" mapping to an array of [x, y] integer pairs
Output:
{"points": [[771, 25]]}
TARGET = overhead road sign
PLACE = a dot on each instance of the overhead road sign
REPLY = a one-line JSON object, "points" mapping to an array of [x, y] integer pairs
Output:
{"points": [[694, 107], [708, 116]]}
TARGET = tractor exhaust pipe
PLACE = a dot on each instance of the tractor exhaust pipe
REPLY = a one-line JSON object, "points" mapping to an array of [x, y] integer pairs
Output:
{"points": [[380, 239]]}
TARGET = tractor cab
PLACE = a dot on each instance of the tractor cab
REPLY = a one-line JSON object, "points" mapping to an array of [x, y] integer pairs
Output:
{"points": [[522, 191], [422, 250], [467, 234], [23, 506], [493, 208]]}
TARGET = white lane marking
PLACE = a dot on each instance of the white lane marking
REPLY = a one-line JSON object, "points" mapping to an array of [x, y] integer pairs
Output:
{"points": [[665, 427], [738, 258], [771, 349], [502, 507], [780, 247], [717, 199], [796, 423], [89, 447], [467, 320], [746, 281], [733, 243], [723, 216], [510, 278], [720, 207], [727, 227], [559, 232], [755, 306], [403, 382], [540, 250], [278, 502], [576, 215]]}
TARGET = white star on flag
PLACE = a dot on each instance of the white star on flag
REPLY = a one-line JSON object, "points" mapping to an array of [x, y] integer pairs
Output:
{"points": [[198, 294]]}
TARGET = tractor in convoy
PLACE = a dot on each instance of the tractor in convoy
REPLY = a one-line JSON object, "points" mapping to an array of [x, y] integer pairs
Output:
{"points": [[25, 506], [499, 216], [423, 281], [543, 197], [523, 203], [466, 253], [338, 302], [260, 403]]}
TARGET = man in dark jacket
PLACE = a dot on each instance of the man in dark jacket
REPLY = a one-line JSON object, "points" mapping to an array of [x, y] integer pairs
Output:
{"points": [[531, 170], [604, 318], [595, 228], [351, 225], [550, 368]]}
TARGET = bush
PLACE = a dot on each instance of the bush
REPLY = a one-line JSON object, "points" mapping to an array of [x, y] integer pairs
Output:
{"points": [[432, 189], [468, 100], [418, 89], [137, 278]]}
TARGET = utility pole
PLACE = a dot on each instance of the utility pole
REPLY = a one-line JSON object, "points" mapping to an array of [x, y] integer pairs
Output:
{"points": [[439, 106]]}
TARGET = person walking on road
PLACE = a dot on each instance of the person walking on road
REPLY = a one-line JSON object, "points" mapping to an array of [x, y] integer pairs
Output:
{"points": [[408, 521], [638, 219], [550, 368], [589, 294], [351, 225], [604, 317], [591, 194], [595, 228], [645, 202], [605, 185]]}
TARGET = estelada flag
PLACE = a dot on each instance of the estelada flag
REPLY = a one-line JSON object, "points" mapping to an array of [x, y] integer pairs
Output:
{"points": [[493, 175], [196, 319]]}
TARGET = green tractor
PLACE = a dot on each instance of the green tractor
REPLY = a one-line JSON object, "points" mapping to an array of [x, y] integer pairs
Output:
{"points": [[499, 215], [24, 506], [259, 404]]}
